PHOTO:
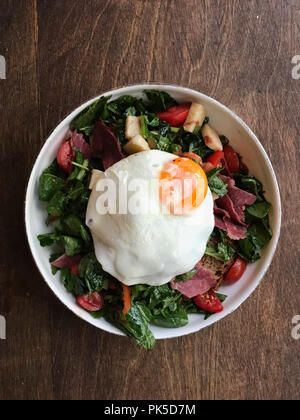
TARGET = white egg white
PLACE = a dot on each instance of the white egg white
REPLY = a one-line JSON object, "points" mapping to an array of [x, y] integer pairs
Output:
{"points": [[153, 247]]}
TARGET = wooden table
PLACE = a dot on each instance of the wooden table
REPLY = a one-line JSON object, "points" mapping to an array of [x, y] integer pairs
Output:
{"points": [[60, 53]]}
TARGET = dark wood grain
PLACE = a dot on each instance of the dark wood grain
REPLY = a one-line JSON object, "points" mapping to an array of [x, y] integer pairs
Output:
{"points": [[60, 53]]}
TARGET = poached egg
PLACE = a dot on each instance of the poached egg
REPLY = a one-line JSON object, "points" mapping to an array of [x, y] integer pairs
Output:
{"points": [[151, 216]]}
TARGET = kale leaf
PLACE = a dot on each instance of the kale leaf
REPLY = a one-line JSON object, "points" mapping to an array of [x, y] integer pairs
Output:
{"points": [[192, 142], [87, 119], [160, 138], [159, 101]]}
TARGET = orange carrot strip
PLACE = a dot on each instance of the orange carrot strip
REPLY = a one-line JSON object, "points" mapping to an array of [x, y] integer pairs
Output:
{"points": [[126, 299]]}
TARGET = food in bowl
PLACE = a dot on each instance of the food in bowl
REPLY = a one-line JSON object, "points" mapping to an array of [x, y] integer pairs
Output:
{"points": [[196, 219]]}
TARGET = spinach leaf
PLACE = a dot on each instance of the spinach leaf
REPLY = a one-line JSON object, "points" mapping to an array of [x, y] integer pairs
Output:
{"points": [[159, 101], [164, 304], [77, 228], [72, 245], [57, 204], [258, 236], [47, 239], [75, 191], [171, 319], [135, 324], [90, 270], [247, 250], [259, 210], [159, 298], [250, 184], [72, 283], [49, 185]]}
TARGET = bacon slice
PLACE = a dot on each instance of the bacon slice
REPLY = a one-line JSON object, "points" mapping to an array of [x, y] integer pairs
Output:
{"points": [[79, 142], [201, 283], [66, 262], [106, 145]]}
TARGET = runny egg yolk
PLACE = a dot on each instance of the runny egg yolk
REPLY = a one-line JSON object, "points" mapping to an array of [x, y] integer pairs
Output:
{"points": [[182, 186]]}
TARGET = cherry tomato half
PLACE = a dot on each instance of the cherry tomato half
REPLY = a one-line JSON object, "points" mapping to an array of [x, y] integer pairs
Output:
{"points": [[91, 303], [215, 158], [176, 115], [65, 156], [232, 159], [209, 302], [236, 271]]}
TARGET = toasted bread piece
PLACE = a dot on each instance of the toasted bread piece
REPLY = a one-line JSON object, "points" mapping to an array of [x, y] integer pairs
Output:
{"points": [[219, 268]]}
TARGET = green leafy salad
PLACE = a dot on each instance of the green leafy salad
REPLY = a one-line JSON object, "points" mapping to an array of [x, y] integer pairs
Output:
{"points": [[103, 134]]}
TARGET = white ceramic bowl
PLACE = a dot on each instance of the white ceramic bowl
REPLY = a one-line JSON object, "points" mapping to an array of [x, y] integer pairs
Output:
{"points": [[244, 142]]}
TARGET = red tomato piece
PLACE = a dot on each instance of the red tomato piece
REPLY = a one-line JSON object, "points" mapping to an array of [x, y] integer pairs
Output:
{"points": [[91, 303], [65, 157], [207, 167], [75, 269], [236, 271], [232, 159], [215, 158], [176, 115], [209, 302]]}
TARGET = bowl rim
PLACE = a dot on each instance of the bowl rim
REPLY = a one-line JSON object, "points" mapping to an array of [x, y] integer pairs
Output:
{"points": [[169, 333]]}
